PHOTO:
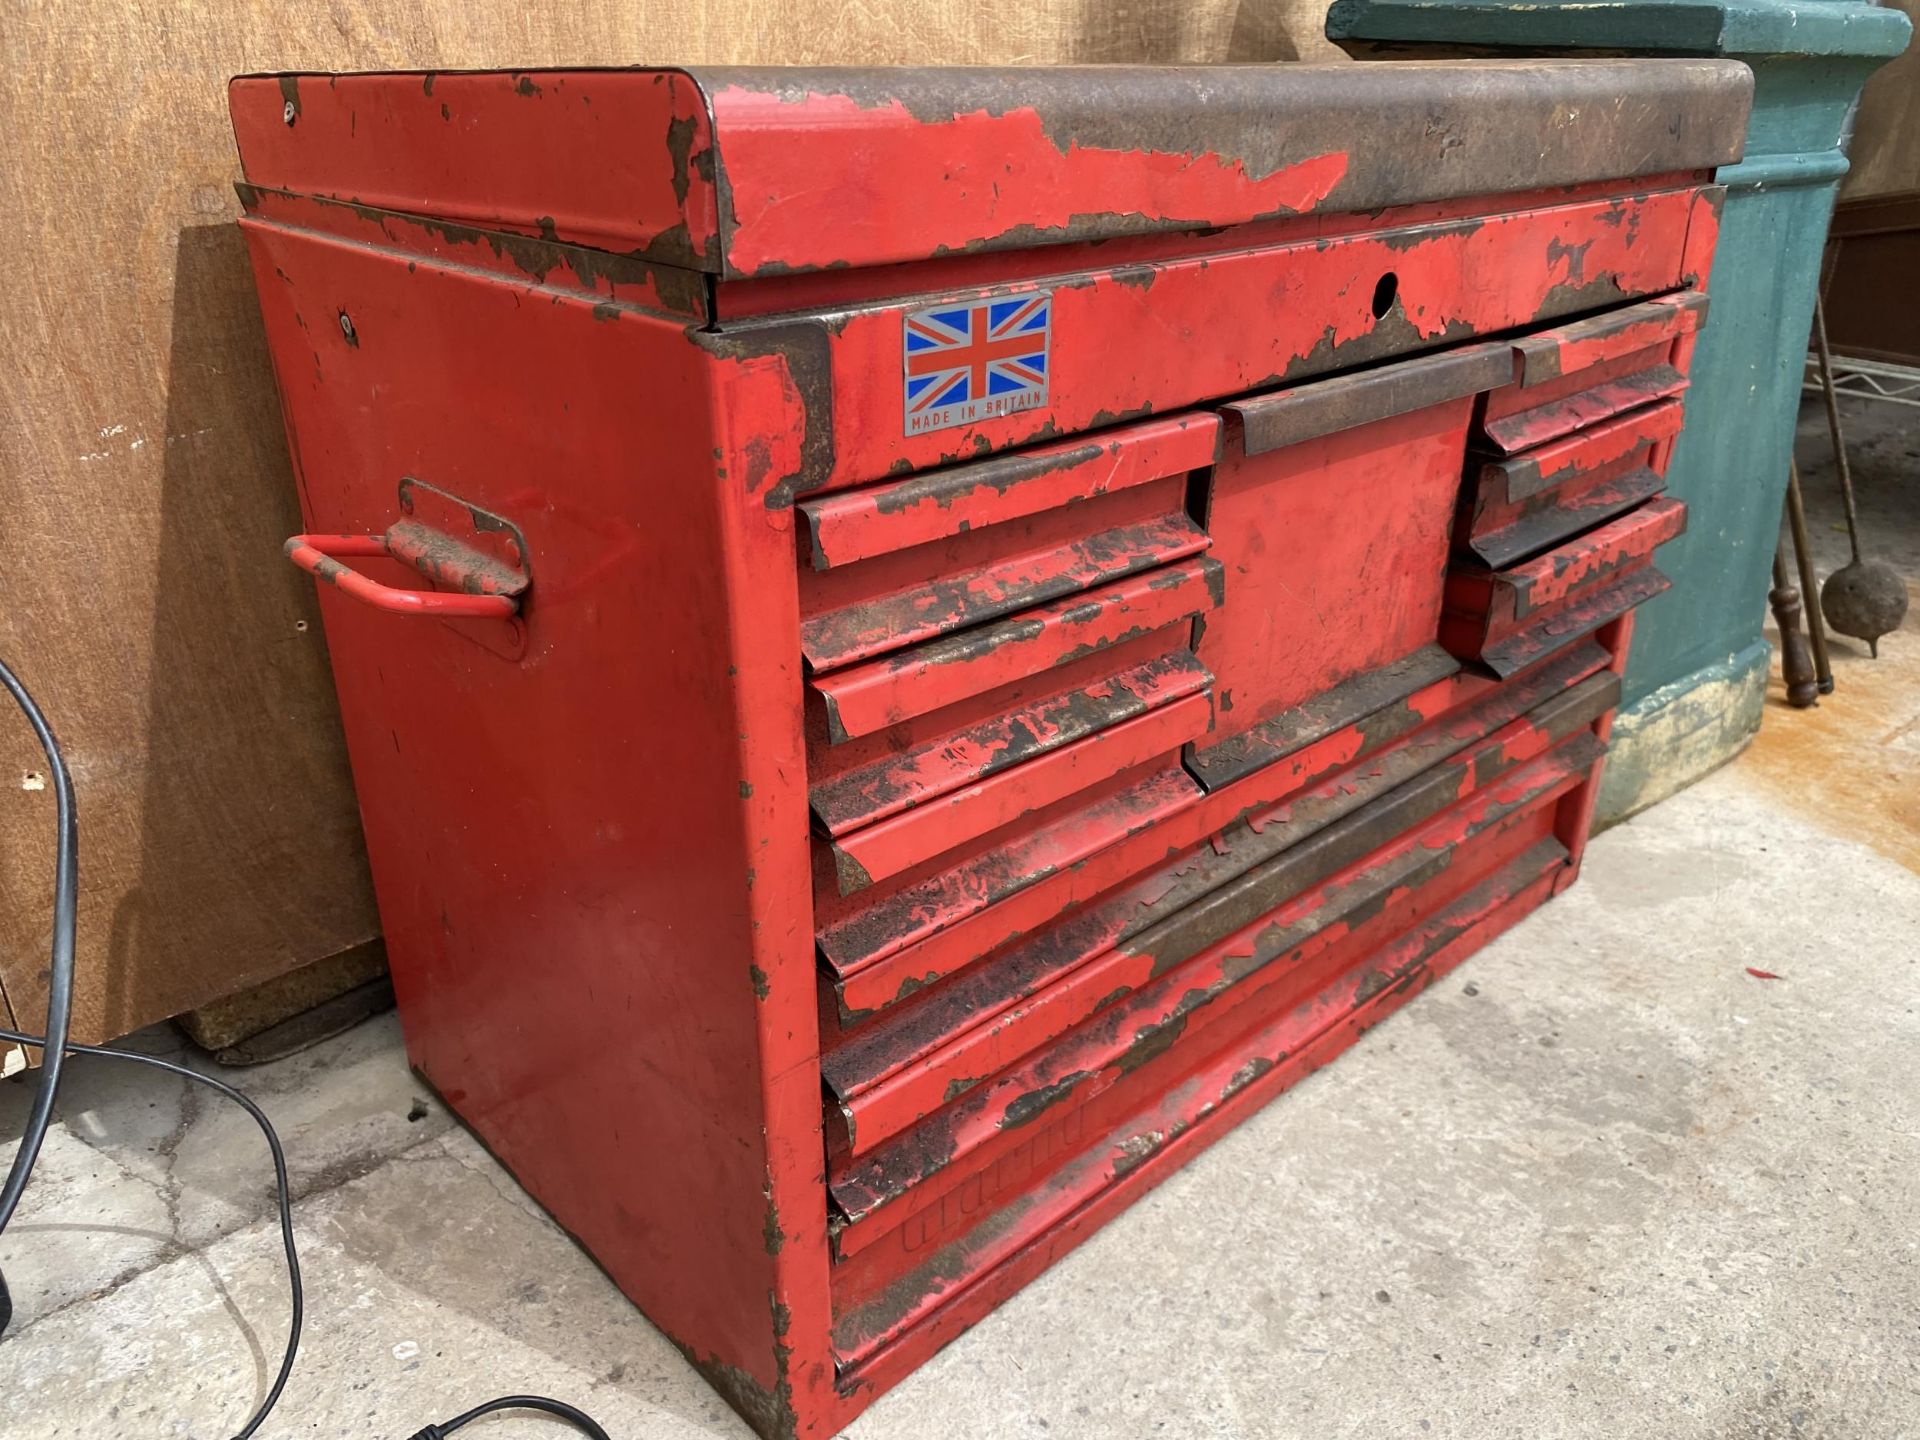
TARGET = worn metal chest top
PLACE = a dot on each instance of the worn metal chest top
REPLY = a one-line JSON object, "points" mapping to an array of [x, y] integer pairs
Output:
{"points": [[1029, 606]]}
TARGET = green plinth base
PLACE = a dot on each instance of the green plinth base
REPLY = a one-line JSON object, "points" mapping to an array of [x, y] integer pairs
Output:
{"points": [[1665, 741], [1809, 61]]}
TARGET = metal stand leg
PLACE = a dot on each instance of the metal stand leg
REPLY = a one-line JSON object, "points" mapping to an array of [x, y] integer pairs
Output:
{"points": [[1809, 586], [1796, 663]]}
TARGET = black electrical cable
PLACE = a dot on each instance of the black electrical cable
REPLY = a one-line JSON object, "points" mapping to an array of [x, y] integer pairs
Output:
{"points": [[279, 1179], [577, 1418], [66, 891], [55, 1047]]}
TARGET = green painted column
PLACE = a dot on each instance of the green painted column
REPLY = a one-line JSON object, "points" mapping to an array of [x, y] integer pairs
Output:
{"points": [[1696, 683]]}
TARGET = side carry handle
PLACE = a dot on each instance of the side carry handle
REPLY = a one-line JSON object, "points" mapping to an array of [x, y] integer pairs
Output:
{"points": [[478, 585]]}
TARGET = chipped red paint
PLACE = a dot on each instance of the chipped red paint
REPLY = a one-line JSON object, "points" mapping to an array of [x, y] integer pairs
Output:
{"points": [[1517, 506], [1521, 592], [937, 824], [865, 699], [1544, 520], [1506, 617], [883, 518], [1524, 504], [960, 1280], [845, 287], [1002, 164], [1601, 398], [652, 322], [1339, 724], [588, 1057], [1589, 372], [320, 556], [950, 602], [1602, 606], [904, 942], [1269, 315], [951, 916], [1594, 341], [1353, 524], [1608, 447], [946, 762], [741, 172], [619, 162], [1092, 959], [1703, 233], [1304, 951], [532, 261]]}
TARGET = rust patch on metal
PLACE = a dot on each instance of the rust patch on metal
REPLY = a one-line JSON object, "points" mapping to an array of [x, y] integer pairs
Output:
{"points": [[803, 348], [1288, 417], [1370, 696], [948, 761], [681, 292], [680, 137], [1025, 1109]]}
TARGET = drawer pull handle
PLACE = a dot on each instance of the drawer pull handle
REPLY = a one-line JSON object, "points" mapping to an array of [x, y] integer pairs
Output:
{"points": [[1279, 418], [489, 589]]}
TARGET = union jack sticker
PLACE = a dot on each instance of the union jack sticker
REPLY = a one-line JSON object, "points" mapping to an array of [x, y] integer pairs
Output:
{"points": [[975, 359]]}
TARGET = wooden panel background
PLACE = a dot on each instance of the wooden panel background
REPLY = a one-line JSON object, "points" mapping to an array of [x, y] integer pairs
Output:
{"points": [[1886, 133], [143, 482]]}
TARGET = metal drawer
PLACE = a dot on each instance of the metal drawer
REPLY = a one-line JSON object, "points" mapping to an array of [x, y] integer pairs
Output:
{"points": [[1507, 619], [989, 641], [949, 792], [1592, 370], [909, 1235], [922, 538], [1228, 318], [928, 1052], [1516, 507], [883, 949], [869, 698], [1331, 513], [881, 519], [1027, 926]]}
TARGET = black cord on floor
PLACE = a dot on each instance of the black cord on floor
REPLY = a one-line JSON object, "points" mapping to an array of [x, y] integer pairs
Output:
{"points": [[279, 1180], [66, 893], [55, 1048], [577, 1418]]}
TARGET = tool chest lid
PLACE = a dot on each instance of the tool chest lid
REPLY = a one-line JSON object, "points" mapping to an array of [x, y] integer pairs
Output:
{"points": [[752, 172]]}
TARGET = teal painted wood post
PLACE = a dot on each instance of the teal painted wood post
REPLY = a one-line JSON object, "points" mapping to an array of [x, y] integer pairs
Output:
{"points": [[1696, 682]]}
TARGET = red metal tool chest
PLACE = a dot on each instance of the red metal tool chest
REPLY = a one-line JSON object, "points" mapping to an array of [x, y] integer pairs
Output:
{"points": [[915, 643]]}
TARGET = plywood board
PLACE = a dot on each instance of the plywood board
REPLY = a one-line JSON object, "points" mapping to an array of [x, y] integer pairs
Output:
{"points": [[144, 488]]}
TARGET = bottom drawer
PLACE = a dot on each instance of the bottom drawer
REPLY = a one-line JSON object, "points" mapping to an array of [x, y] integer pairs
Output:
{"points": [[988, 1180]]}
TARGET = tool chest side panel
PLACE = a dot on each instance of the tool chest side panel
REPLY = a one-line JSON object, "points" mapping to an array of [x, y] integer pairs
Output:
{"points": [[566, 865], [621, 161]]}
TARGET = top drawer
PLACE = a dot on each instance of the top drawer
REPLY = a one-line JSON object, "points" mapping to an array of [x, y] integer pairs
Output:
{"points": [[1588, 372], [896, 565], [1167, 331]]}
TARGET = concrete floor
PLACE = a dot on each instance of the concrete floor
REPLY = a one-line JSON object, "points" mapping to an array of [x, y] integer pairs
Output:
{"points": [[1601, 1182]]}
